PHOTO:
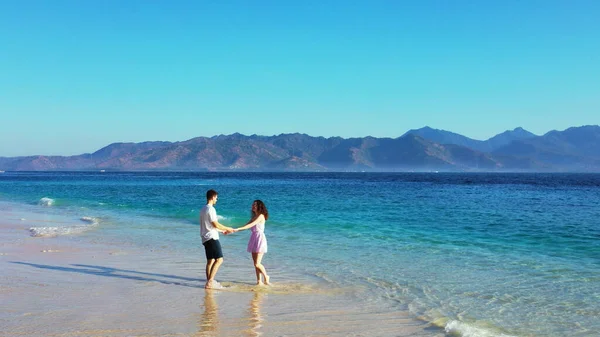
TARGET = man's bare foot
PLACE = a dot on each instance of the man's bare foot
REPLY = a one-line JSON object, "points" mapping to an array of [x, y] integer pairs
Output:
{"points": [[213, 285], [267, 278]]}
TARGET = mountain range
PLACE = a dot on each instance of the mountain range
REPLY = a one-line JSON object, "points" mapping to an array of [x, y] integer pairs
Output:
{"points": [[576, 149]]}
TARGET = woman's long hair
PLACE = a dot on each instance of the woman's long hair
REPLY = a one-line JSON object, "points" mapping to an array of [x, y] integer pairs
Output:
{"points": [[260, 209]]}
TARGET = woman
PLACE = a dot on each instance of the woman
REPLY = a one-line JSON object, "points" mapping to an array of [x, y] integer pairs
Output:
{"points": [[257, 245]]}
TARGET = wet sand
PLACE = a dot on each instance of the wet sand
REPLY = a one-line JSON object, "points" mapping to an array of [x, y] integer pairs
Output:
{"points": [[72, 286]]}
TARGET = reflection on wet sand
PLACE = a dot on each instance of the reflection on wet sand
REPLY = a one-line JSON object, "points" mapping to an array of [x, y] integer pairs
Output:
{"points": [[255, 317], [209, 320], [210, 324]]}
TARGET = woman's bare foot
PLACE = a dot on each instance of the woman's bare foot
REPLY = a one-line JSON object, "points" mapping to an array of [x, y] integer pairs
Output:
{"points": [[259, 283], [267, 278]]}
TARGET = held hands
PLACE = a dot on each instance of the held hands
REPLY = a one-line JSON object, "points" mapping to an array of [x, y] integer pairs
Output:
{"points": [[230, 230]]}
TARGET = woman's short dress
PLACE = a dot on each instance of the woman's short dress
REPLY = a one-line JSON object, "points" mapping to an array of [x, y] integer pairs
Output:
{"points": [[258, 240]]}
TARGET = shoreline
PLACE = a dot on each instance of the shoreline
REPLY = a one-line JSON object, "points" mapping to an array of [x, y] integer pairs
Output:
{"points": [[72, 286]]}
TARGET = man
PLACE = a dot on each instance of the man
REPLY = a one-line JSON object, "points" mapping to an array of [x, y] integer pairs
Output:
{"points": [[209, 230]]}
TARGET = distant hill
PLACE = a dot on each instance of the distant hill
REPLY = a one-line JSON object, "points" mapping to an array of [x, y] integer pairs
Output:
{"points": [[447, 137], [425, 149], [574, 149], [506, 138]]}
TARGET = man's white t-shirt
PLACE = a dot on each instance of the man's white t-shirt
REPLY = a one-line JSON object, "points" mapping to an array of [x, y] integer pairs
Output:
{"points": [[208, 214]]}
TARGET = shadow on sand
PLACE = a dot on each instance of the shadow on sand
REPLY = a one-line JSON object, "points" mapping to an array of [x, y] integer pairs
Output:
{"points": [[122, 273]]}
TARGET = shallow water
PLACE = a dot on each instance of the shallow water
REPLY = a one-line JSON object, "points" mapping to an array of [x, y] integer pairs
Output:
{"points": [[471, 254]]}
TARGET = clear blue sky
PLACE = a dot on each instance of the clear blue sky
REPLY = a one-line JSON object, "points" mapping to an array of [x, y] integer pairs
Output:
{"points": [[78, 75]]}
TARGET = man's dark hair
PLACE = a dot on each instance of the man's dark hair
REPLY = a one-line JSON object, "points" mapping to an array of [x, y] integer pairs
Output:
{"points": [[210, 194]]}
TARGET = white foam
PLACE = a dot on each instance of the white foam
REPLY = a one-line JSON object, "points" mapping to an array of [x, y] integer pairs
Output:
{"points": [[457, 328], [45, 201], [53, 231], [220, 217], [90, 220]]}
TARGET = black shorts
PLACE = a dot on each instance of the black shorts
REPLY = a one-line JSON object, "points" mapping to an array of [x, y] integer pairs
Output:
{"points": [[212, 248]]}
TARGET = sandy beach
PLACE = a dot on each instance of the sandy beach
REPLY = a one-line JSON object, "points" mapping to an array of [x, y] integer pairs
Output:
{"points": [[73, 286]]}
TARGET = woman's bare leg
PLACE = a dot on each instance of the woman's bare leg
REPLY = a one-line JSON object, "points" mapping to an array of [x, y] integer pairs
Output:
{"points": [[259, 268], [254, 257]]}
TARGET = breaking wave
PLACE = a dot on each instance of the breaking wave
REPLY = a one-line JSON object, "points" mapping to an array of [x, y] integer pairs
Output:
{"points": [[458, 328], [53, 231], [45, 201]]}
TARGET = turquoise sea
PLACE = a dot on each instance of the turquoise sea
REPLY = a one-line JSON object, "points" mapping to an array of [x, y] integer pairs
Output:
{"points": [[473, 254]]}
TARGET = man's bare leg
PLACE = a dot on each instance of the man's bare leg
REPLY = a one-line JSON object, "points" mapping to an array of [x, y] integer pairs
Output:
{"points": [[209, 264], [212, 272]]}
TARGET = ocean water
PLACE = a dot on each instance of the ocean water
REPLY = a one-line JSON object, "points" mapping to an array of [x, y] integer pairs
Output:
{"points": [[474, 254]]}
